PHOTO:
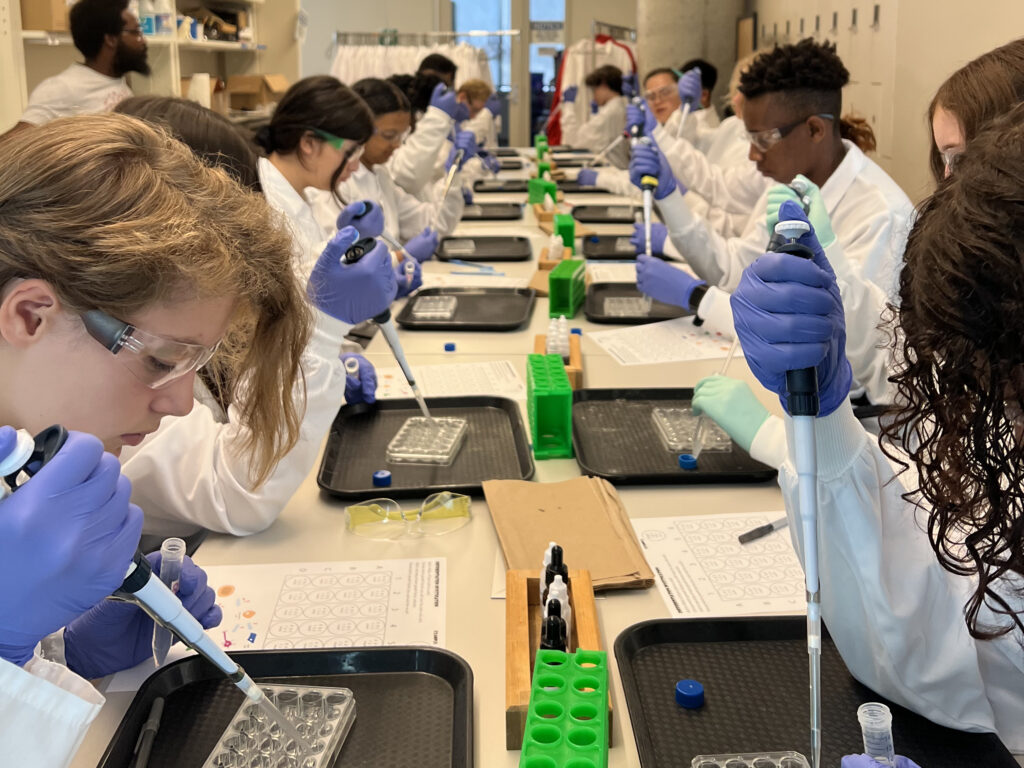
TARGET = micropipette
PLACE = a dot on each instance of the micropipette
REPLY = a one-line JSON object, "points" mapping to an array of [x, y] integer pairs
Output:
{"points": [[172, 556], [682, 118], [601, 155]]}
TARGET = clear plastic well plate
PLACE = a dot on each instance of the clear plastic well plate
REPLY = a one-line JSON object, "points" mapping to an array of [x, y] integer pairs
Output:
{"points": [[324, 716], [627, 306], [460, 247], [427, 441], [620, 210], [678, 426], [623, 245], [752, 760], [473, 210], [435, 307]]}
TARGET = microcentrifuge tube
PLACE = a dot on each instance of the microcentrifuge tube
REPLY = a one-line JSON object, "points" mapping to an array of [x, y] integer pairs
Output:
{"points": [[876, 728]]}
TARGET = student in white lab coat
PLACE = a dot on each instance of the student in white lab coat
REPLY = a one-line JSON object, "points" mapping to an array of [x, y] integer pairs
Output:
{"points": [[110, 299], [607, 123], [920, 535], [705, 116], [484, 111], [417, 224]]}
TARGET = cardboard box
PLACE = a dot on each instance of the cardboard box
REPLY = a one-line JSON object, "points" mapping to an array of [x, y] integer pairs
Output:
{"points": [[254, 91], [45, 15], [215, 100]]}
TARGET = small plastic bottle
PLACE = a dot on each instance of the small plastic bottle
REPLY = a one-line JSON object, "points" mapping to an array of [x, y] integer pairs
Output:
{"points": [[558, 591], [164, 11], [147, 17], [563, 338], [555, 247], [543, 569]]}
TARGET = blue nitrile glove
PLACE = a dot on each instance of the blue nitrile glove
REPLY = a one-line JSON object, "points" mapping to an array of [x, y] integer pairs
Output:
{"points": [[491, 163], [116, 635], [648, 160], [587, 177], [355, 292], [569, 94], [690, 88], [731, 404], [789, 315], [466, 141], [407, 283], [641, 116], [866, 761], [659, 233], [629, 85], [362, 387], [817, 213], [493, 104], [663, 282], [467, 195], [67, 537], [447, 101], [593, 107], [423, 246], [366, 216]]}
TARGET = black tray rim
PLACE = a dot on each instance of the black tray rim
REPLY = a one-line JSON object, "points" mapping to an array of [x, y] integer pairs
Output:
{"points": [[599, 317], [521, 186], [516, 208], [658, 393], [518, 239], [462, 688], [587, 218], [519, 432], [574, 188], [406, 320]]}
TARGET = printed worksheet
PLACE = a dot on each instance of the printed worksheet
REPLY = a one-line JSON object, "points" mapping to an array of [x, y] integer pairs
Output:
{"points": [[613, 272], [320, 605], [498, 377], [669, 341], [702, 570], [476, 280]]}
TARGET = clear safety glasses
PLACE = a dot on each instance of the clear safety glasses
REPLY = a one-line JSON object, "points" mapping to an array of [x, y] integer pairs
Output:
{"points": [[152, 359], [665, 92], [949, 158], [396, 138], [384, 519], [768, 138]]}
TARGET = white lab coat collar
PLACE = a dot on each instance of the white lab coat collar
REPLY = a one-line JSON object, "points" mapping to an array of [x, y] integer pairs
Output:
{"points": [[837, 185], [281, 195]]}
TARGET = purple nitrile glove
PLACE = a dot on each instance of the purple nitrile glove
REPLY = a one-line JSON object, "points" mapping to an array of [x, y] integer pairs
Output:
{"points": [[642, 116], [409, 277], [866, 761], [629, 85], [663, 282], [491, 163], [116, 635], [569, 94], [789, 315], [467, 195], [648, 160], [366, 216], [691, 89], [659, 233], [493, 104], [67, 537], [466, 141], [447, 101], [422, 246], [362, 386], [587, 177], [355, 292], [593, 107]]}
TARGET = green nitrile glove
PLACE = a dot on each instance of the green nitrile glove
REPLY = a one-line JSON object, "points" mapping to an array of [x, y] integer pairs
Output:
{"points": [[816, 212], [731, 405]]}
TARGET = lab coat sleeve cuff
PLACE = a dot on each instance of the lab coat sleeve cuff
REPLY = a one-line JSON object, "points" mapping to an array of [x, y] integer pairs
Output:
{"points": [[670, 250], [716, 312], [79, 701], [769, 444], [840, 439]]}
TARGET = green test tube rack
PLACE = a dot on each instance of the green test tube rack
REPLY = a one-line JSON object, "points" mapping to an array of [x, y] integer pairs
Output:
{"points": [[543, 166], [549, 407], [566, 289], [537, 189], [567, 722], [565, 227]]}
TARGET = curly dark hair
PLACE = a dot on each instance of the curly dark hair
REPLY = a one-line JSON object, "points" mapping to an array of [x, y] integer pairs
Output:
{"points": [[960, 378], [808, 75]]}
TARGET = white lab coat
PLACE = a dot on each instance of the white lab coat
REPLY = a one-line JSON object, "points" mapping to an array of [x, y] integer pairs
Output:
{"points": [[895, 614], [599, 131], [189, 472], [45, 711], [485, 127], [413, 165], [405, 215]]}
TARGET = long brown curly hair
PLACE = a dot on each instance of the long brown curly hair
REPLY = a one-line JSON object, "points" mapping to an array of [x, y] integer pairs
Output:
{"points": [[960, 378]]}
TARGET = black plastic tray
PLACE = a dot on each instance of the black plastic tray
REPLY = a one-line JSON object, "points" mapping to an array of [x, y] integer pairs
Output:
{"points": [[575, 188], [606, 214], [500, 185], [510, 163], [427, 692], [597, 247], [593, 306], [504, 152], [614, 437], [478, 309], [496, 447], [493, 212], [490, 248], [575, 162], [754, 673], [565, 149]]}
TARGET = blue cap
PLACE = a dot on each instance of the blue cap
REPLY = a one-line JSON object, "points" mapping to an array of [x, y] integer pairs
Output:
{"points": [[594, 239], [449, 346], [381, 478], [577, 331], [689, 694], [687, 461]]}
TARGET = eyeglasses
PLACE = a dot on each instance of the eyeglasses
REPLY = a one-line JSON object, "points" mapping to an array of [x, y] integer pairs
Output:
{"points": [[394, 137], [949, 158], [336, 142], [133, 31], [384, 519], [768, 138], [665, 92], [152, 359]]}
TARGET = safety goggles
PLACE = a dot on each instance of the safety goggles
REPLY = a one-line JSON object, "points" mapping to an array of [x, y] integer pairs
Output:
{"points": [[394, 137], [949, 159], [152, 359], [768, 138], [661, 94], [384, 519], [354, 152]]}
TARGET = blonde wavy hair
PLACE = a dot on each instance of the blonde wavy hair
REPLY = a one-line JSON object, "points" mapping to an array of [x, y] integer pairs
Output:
{"points": [[117, 215]]}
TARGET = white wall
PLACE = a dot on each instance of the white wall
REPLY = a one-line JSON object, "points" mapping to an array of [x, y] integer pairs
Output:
{"points": [[580, 15], [896, 68]]}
